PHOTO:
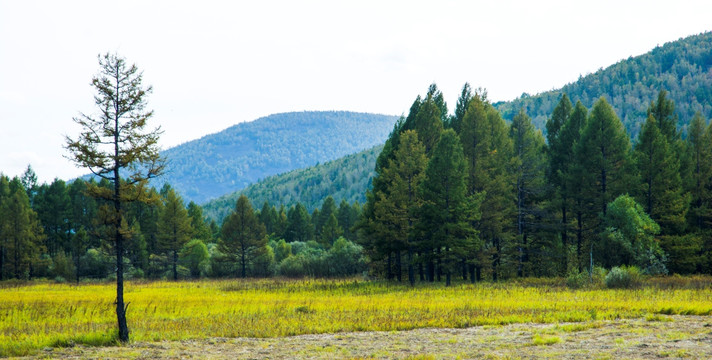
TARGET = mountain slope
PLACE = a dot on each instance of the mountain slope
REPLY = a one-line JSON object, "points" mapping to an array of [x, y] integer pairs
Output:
{"points": [[683, 68], [227, 161], [346, 178]]}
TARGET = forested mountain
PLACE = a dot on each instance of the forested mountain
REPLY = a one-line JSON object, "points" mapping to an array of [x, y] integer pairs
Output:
{"points": [[230, 160], [682, 68], [346, 178]]}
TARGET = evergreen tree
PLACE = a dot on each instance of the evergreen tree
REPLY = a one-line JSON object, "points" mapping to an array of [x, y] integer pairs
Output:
{"points": [[699, 183], [447, 213], [330, 231], [529, 186], [660, 189], [602, 154], [22, 231], [428, 123], [488, 153], [572, 175], [201, 229], [663, 111], [29, 182], [299, 224], [174, 229], [347, 216], [397, 206], [560, 162], [460, 108], [115, 142], [328, 208], [53, 210], [243, 235]]}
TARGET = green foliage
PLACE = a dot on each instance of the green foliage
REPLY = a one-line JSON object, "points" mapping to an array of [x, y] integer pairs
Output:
{"points": [[447, 213], [624, 277], [346, 178], [174, 229], [629, 237], [488, 154], [195, 257], [530, 189], [342, 259], [62, 266], [241, 155], [243, 236], [682, 67]]}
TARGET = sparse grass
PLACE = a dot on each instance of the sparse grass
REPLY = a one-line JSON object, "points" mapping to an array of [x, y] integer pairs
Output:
{"points": [[538, 340], [38, 315]]}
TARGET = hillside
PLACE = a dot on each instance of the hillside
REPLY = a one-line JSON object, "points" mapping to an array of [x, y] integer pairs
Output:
{"points": [[230, 160], [346, 178], [682, 68]]}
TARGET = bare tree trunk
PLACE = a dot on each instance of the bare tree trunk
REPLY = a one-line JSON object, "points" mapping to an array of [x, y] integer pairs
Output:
{"points": [[120, 307]]}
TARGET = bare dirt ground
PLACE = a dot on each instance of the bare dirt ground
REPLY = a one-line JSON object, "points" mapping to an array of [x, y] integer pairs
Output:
{"points": [[651, 338]]}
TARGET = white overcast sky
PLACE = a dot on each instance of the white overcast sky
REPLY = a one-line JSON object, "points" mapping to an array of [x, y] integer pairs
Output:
{"points": [[217, 63]]}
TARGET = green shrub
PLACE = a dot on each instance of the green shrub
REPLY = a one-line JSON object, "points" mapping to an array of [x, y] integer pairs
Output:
{"points": [[623, 277]]}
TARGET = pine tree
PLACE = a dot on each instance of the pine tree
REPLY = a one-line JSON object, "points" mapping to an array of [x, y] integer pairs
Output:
{"points": [[559, 164], [602, 154], [22, 231], [53, 210], [397, 206], [663, 111], [328, 208], [299, 224], [447, 212], [660, 189], [572, 174], [488, 153], [243, 235], [529, 185], [330, 231], [428, 124], [699, 183], [174, 229], [460, 108], [201, 229], [116, 142]]}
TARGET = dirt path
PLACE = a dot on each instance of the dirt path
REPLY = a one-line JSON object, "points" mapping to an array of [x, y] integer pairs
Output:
{"points": [[657, 337]]}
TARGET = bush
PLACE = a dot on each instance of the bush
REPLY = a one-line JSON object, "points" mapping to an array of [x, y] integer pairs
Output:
{"points": [[263, 264], [62, 266], [623, 277], [94, 264], [194, 256]]}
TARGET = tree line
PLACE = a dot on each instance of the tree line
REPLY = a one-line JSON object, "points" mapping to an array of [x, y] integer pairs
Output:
{"points": [[55, 231], [469, 194]]}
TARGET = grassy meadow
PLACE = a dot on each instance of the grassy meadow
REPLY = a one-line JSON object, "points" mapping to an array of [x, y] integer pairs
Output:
{"points": [[38, 315]]}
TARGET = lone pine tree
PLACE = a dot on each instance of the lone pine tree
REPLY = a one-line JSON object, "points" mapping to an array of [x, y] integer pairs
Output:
{"points": [[115, 146]]}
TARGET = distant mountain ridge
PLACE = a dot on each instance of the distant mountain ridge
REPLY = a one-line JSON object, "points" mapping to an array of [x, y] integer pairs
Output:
{"points": [[683, 68], [231, 159]]}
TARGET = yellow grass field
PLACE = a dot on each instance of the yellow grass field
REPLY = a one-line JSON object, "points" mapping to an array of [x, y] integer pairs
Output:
{"points": [[40, 315]]}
